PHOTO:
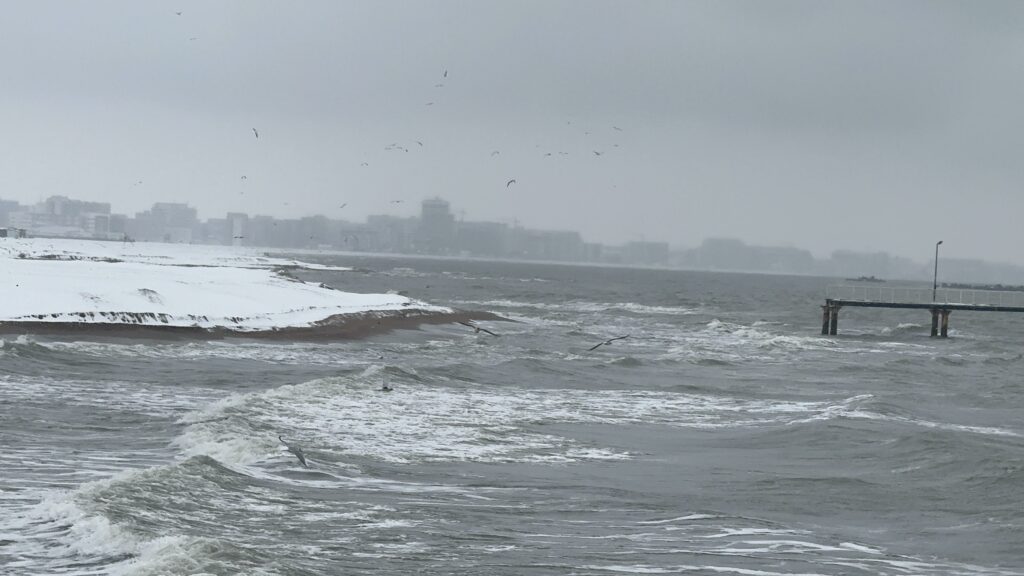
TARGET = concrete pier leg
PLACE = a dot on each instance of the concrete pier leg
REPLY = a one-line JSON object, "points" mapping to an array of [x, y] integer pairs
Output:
{"points": [[825, 313], [945, 324], [833, 321], [935, 322]]}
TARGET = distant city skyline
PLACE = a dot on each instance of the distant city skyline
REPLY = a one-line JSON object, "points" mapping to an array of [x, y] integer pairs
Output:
{"points": [[436, 231]]}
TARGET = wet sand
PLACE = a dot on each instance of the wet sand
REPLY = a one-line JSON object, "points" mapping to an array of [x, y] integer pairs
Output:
{"points": [[337, 327]]}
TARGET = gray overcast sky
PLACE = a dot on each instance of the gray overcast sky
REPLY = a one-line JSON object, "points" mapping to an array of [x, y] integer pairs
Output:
{"points": [[862, 125]]}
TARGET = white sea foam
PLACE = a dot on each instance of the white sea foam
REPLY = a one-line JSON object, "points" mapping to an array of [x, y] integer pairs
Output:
{"points": [[304, 353], [850, 408], [58, 533], [679, 568], [426, 422], [686, 518], [586, 307], [139, 397]]}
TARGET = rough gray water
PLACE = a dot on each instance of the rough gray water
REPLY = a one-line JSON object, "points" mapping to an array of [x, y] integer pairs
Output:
{"points": [[724, 436]]}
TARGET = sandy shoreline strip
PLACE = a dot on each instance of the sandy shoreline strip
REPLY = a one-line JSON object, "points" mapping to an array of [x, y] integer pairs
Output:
{"points": [[338, 327]]}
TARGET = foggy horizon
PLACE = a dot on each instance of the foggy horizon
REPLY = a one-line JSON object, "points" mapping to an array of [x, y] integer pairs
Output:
{"points": [[672, 247], [871, 127]]}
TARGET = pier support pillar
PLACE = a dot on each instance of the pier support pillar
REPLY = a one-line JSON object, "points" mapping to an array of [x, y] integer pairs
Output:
{"points": [[825, 313], [833, 320], [935, 322], [945, 324]]}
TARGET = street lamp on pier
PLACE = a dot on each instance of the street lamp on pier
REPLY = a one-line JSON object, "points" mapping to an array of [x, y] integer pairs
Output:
{"points": [[935, 279]]}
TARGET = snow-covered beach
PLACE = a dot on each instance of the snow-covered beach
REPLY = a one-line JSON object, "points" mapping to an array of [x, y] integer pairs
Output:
{"points": [[56, 284]]}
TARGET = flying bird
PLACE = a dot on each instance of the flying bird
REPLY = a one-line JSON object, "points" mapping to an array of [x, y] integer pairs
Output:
{"points": [[596, 153], [256, 133], [178, 13], [617, 128], [607, 342], [495, 153], [397, 201], [445, 75], [365, 164], [477, 329], [510, 182], [294, 450], [244, 177], [343, 205]]}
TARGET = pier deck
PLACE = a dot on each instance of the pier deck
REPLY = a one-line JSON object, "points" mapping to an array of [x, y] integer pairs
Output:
{"points": [[940, 303]]}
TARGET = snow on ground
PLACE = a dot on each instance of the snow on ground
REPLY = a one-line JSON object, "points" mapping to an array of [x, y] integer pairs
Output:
{"points": [[43, 280], [147, 252]]}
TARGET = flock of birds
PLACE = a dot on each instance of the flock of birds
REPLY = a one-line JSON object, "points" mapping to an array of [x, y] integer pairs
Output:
{"points": [[397, 146], [386, 386]]}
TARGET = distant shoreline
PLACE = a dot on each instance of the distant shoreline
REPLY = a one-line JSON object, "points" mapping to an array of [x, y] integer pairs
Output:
{"points": [[354, 326]]}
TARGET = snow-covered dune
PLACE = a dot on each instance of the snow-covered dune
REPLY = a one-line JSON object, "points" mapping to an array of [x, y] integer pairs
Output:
{"points": [[154, 284]]}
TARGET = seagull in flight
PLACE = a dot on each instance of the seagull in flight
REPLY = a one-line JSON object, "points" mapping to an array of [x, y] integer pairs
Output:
{"points": [[510, 182], [256, 133], [343, 205], [178, 13], [596, 153], [445, 75], [607, 342], [294, 450], [244, 177], [477, 329]]}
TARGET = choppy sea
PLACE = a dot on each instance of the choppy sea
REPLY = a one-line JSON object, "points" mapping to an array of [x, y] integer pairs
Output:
{"points": [[725, 435]]}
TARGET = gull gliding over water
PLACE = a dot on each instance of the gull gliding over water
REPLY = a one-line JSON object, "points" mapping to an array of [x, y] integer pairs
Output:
{"points": [[478, 329], [607, 342], [294, 450]]}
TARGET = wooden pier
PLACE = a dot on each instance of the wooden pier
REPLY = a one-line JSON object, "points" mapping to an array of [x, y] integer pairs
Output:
{"points": [[940, 303]]}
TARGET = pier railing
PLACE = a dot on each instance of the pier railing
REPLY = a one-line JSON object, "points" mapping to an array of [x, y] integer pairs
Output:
{"points": [[911, 295]]}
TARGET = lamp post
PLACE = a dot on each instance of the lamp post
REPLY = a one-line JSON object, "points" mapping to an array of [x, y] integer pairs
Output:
{"points": [[935, 280]]}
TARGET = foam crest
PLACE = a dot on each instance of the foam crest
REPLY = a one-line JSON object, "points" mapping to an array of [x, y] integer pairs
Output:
{"points": [[419, 422], [851, 408], [731, 343], [583, 306], [304, 353], [61, 535]]}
